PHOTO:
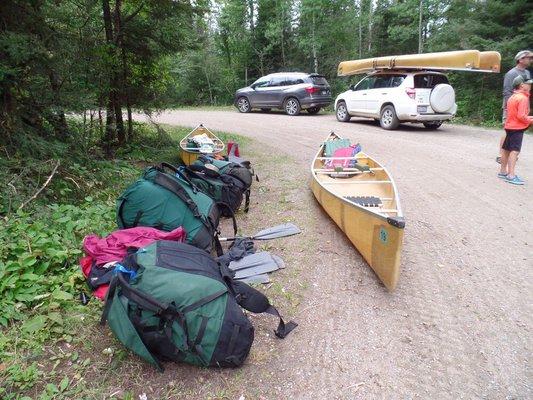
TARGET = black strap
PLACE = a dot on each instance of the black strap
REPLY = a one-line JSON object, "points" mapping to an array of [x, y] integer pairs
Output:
{"points": [[203, 301], [253, 300], [119, 213], [218, 246], [201, 331], [233, 339], [109, 299], [247, 201], [138, 217], [164, 165], [221, 204], [283, 328]]}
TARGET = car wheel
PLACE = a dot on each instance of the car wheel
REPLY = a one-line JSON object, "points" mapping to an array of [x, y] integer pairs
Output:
{"points": [[432, 124], [266, 109], [313, 110], [342, 112], [292, 106], [243, 105], [388, 118]]}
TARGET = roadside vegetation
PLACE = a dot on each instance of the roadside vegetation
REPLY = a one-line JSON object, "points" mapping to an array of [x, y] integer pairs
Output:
{"points": [[55, 194]]}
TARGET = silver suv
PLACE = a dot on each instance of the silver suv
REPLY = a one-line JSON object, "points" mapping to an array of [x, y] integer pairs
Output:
{"points": [[289, 91]]}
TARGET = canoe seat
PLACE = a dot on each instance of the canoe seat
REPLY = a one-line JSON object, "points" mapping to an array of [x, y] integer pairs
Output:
{"points": [[365, 201]]}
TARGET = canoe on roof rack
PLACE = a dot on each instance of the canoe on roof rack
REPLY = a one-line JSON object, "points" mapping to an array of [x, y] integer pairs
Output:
{"points": [[462, 60]]}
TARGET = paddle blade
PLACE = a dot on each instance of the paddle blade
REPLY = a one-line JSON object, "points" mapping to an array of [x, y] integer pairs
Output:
{"points": [[278, 231]]}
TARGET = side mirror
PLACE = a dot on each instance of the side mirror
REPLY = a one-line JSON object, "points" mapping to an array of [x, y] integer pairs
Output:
{"points": [[352, 87], [252, 86]]}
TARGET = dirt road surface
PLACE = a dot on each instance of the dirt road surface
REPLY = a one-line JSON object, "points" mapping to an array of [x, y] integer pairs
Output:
{"points": [[459, 323]]}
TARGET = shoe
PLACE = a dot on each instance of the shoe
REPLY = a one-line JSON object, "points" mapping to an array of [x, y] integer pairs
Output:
{"points": [[502, 176], [499, 160], [515, 181]]}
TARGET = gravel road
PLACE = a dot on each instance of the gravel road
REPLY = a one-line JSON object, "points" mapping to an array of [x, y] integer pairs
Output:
{"points": [[459, 323]]}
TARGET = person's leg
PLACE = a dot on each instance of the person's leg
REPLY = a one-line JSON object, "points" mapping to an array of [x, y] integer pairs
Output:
{"points": [[502, 139], [511, 163], [505, 158]]}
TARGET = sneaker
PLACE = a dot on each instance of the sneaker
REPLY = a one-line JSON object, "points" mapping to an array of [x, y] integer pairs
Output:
{"points": [[499, 160], [515, 181], [502, 176]]}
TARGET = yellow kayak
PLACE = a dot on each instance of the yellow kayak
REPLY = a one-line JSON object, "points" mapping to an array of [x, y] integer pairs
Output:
{"points": [[363, 201]]}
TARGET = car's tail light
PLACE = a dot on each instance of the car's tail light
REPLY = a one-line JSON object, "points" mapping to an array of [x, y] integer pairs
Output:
{"points": [[411, 92], [312, 89]]}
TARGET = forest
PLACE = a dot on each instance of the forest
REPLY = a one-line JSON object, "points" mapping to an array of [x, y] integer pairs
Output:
{"points": [[104, 59]]}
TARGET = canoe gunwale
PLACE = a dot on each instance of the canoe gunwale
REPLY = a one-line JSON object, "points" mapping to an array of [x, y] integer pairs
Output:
{"points": [[219, 144], [396, 220]]}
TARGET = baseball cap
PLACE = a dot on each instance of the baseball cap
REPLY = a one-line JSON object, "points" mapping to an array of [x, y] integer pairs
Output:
{"points": [[522, 54], [519, 80]]}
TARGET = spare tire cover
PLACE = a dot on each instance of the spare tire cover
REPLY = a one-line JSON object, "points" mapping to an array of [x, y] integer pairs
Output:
{"points": [[442, 98]]}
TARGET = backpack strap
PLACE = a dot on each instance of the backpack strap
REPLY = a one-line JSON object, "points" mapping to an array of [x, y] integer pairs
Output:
{"points": [[253, 300]]}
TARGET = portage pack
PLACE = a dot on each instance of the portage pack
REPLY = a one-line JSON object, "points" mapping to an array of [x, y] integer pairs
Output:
{"points": [[173, 302], [223, 188], [164, 201], [240, 171]]}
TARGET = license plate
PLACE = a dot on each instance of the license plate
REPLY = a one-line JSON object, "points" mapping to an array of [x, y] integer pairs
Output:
{"points": [[422, 109]]}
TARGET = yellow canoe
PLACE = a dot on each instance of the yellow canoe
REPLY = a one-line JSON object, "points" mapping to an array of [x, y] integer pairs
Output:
{"points": [[189, 153], [462, 60], [366, 207]]}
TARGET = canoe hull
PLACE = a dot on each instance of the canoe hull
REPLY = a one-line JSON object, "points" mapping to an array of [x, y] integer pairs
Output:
{"points": [[463, 60], [379, 242]]}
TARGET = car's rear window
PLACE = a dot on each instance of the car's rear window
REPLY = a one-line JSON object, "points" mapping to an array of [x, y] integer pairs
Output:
{"points": [[318, 80], [429, 81]]}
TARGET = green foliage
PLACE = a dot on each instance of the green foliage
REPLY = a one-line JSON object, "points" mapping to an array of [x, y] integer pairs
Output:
{"points": [[38, 258]]}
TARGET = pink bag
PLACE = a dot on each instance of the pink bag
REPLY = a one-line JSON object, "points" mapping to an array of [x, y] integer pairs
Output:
{"points": [[344, 152]]}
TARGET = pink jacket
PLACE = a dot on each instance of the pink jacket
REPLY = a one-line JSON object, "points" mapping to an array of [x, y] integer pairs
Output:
{"points": [[114, 246]]}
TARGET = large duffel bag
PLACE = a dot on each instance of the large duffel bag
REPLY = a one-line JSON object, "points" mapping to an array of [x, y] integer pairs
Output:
{"points": [[163, 201], [242, 173], [173, 302], [223, 188]]}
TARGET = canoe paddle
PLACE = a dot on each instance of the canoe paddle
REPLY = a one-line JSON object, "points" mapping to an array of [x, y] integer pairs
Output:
{"points": [[274, 232]]}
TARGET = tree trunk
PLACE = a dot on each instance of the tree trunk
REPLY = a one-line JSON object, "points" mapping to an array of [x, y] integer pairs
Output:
{"points": [[370, 26], [315, 59], [57, 118], [110, 128], [420, 45], [119, 84]]}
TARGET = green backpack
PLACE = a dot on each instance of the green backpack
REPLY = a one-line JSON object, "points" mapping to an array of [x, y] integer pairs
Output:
{"points": [[233, 169], [173, 302], [165, 202]]}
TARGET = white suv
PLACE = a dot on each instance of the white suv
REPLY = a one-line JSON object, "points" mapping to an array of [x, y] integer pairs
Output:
{"points": [[392, 97]]}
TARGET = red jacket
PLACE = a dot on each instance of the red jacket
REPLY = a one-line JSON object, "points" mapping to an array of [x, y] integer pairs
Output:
{"points": [[518, 111]]}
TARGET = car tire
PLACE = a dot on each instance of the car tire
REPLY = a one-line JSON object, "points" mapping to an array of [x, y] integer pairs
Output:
{"points": [[313, 110], [292, 106], [432, 125], [266, 109], [342, 112], [243, 105], [388, 118]]}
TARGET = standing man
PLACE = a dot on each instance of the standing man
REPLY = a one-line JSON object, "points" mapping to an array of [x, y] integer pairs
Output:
{"points": [[517, 121], [523, 61]]}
